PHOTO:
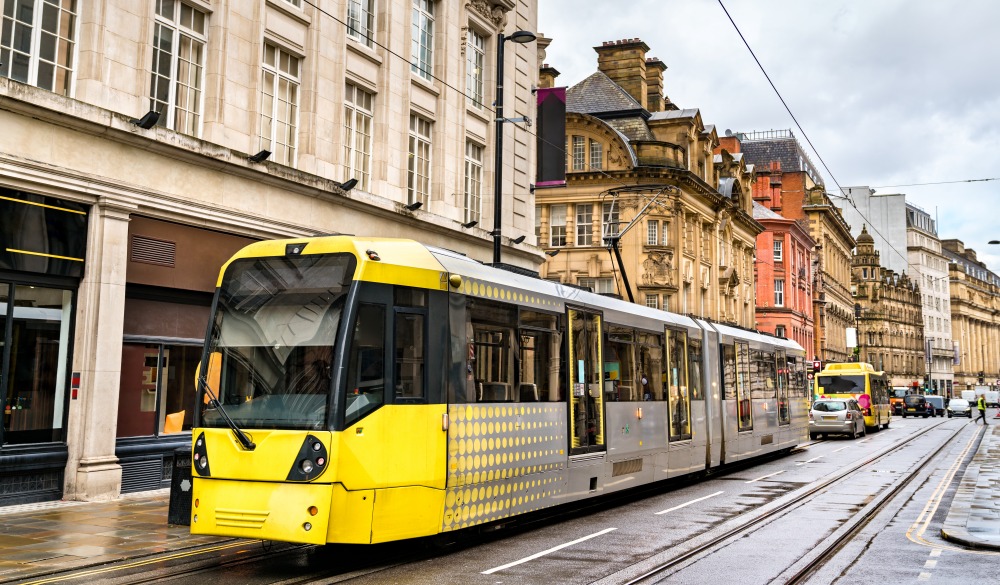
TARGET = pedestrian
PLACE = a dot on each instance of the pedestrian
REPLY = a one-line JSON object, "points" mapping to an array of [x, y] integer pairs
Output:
{"points": [[981, 405]]}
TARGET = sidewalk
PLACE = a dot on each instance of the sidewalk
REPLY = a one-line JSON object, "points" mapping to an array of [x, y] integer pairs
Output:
{"points": [[50, 537], [974, 517]]}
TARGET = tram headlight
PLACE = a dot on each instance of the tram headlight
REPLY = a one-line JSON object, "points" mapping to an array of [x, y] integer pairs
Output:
{"points": [[307, 526], [203, 462], [307, 466]]}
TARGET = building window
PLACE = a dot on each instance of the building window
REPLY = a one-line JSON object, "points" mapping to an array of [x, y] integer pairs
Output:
{"points": [[538, 224], [279, 108], [584, 224], [361, 21], [653, 301], [557, 225], [295, 3], [422, 59], [418, 179], [779, 292], [473, 182], [358, 107], [777, 250], [596, 155], [666, 233], [609, 218], [475, 53], [779, 330], [37, 320], [652, 232], [175, 90], [37, 43], [579, 154], [601, 286], [156, 381]]}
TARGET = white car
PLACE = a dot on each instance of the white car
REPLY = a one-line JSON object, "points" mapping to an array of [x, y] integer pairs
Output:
{"points": [[959, 407]]}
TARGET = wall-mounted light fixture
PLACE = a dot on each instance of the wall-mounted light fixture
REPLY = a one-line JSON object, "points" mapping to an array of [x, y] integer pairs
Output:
{"points": [[148, 120], [348, 184], [259, 157], [414, 206]]}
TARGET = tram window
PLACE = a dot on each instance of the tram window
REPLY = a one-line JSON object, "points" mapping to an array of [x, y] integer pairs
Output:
{"points": [[762, 376], [409, 297], [619, 365], [694, 368], [744, 412], [493, 367], [782, 378], [651, 367], [539, 358], [678, 392], [366, 368], [410, 356], [729, 372]]}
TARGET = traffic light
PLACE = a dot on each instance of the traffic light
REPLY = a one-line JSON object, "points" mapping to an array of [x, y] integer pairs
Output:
{"points": [[817, 366], [982, 377]]}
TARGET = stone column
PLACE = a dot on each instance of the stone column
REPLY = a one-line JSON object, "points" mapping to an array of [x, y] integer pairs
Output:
{"points": [[92, 472]]}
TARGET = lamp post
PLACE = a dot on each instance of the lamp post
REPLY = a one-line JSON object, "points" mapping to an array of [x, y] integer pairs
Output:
{"points": [[857, 329], [520, 37]]}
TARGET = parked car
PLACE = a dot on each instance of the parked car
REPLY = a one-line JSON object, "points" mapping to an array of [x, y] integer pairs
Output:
{"points": [[836, 416], [937, 403], [959, 407], [916, 405]]}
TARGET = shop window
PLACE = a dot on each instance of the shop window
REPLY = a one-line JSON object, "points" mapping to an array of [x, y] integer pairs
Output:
{"points": [[36, 373], [157, 390]]}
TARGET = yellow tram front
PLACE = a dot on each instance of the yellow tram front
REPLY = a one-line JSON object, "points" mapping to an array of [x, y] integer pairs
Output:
{"points": [[296, 353]]}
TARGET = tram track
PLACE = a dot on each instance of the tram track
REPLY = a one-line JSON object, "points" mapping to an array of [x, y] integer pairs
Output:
{"points": [[807, 565]]}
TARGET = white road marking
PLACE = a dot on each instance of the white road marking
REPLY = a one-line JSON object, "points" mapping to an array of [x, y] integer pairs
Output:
{"points": [[688, 503], [766, 476], [545, 552], [810, 460], [936, 552], [924, 577], [930, 564], [841, 449]]}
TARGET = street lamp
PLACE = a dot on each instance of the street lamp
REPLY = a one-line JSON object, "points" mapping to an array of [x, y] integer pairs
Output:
{"points": [[520, 37], [857, 329]]}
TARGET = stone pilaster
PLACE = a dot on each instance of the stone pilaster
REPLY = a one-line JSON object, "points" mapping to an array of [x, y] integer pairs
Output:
{"points": [[93, 473]]}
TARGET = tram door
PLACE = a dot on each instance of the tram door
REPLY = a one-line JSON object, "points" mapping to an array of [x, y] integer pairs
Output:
{"points": [[586, 396]]}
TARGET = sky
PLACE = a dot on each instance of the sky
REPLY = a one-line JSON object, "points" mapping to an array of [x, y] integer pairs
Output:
{"points": [[889, 92]]}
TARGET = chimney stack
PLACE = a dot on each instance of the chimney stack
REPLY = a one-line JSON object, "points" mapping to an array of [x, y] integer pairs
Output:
{"points": [[654, 83], [547, 76], [624, 62]]}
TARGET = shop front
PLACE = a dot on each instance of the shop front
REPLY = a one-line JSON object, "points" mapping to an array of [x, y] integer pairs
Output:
{"points": [[42, 251]]}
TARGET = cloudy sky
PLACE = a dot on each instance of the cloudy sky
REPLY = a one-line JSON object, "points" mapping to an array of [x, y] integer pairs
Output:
{"points": [[890, 92]]}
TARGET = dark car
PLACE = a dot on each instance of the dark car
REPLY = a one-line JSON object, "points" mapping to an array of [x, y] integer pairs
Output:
{"points": [[938, 403], [916, 405]]}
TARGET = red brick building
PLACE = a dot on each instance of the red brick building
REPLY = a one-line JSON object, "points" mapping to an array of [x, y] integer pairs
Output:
{"points": [[782, 274]]}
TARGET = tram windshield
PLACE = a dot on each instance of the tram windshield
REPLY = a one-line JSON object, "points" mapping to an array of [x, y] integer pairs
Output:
{"points": [[843, 384], [275, 330]]}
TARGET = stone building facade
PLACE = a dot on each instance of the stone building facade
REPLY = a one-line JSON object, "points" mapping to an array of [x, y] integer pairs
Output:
{"points": [[975, 317], [929, 267], [888, 317], [115, 223], [644, 171]]}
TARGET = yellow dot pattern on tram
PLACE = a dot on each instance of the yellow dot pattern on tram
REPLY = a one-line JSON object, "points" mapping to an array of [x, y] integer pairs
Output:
{"points": [[503, 460], [492, 290]]}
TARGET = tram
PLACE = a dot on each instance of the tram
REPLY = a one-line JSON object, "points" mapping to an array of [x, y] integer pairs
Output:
{"points": [[860, 381], [365, 390]]}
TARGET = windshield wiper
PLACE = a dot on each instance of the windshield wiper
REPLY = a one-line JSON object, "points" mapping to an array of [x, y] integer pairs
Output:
{"points": [[240, 435]]}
